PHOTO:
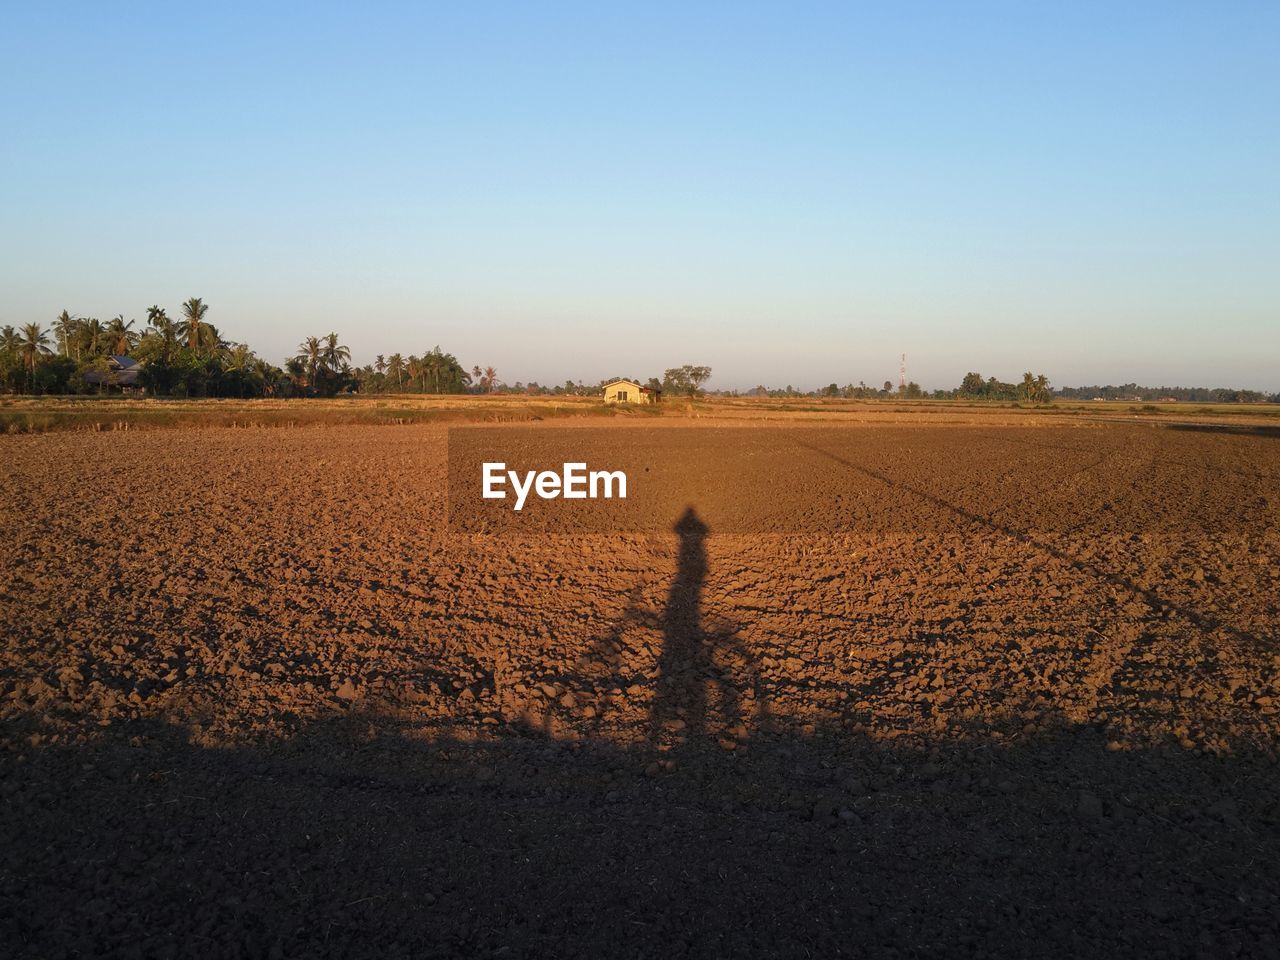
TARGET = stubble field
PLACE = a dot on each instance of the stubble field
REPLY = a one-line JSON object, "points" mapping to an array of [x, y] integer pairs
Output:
{"points": [[987, 688]]}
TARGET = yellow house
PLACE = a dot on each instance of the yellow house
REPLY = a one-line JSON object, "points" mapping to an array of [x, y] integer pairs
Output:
{"points": [[628, 391]]}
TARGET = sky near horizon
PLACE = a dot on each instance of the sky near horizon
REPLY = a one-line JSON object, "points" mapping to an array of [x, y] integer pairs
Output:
{"points": [[790, 193]]}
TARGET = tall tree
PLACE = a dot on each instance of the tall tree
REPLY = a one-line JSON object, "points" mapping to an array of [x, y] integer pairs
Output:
{"points": [[164, 330], [1042, 388], [120, 336], [1028, 386], [34, 344], [91, 336], [193, 313], [310, 355], [64, 329], [335, 354], [395, 368]]}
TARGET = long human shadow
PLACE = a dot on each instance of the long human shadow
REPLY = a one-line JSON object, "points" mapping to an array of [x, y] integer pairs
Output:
{"points": [[702, 672], [707, 680]]}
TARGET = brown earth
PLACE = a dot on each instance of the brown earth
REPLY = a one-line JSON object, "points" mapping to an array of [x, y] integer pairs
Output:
{"points": [[259, 698]]}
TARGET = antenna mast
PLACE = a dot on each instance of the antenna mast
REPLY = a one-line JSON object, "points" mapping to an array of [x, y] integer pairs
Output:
{"points": [[902, 373]]}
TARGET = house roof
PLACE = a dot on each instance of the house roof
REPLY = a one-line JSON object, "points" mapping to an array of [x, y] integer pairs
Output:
{"points": [[621, 380], [124, 363]]}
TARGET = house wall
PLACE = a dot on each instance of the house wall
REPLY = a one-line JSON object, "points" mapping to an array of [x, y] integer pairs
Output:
{"points": [[632, 390]]}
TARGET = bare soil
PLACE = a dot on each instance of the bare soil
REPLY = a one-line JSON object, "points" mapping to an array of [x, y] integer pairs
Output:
{"points": [[258, 698]]}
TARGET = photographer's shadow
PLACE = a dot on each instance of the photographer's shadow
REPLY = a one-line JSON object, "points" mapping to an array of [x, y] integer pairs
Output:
{"points": [[708, 682]]}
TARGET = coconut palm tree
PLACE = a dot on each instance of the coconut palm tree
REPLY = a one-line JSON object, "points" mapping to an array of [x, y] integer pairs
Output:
{"points": [[211, 342], [164, 330], [64, 329], [1042, 388], [335, 354], [34, 343], [489, 380], [1028, 386], [310, 355], [296, 368], [239, 357], [193, 312], [395, 368], [91, 336], [120, 338], [9, 340]]}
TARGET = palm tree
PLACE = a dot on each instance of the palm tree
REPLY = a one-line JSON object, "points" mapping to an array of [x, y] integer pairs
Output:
{"points": [[34, 343], [119, 337], [165, 330], [91, 335], [239, 357], [489, 379], [64, 328], [417, 369], [1042, 388], [395, 368], [296, 368], [193, 312], [380, 364], [335, 354], [1028, 386], [266, 376], [310, 355], [211, 342], [9, 344]]}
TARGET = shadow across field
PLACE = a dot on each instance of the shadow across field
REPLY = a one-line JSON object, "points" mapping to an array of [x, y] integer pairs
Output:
{"points": [[351, 840]]}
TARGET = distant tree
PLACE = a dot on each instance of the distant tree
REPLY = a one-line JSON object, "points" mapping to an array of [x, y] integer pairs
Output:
{"points": [[161, 338], [686, 379], [335, 354], [103, 374], [1043, 394], [193, 314], [10, 358], [310, 355], [64, 331], [395, 369], [34, 344], [973, 385], [91, 337], [120, 335]]}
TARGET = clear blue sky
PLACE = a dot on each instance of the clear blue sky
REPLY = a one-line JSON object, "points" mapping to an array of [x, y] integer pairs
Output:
{"points": [[787, 192]]}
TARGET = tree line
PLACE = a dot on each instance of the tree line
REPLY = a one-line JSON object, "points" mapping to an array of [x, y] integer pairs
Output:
{"points": [[189, 357]]}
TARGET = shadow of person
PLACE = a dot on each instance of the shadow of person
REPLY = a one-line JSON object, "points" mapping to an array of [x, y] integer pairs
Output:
{"points": [[702, 673]]}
